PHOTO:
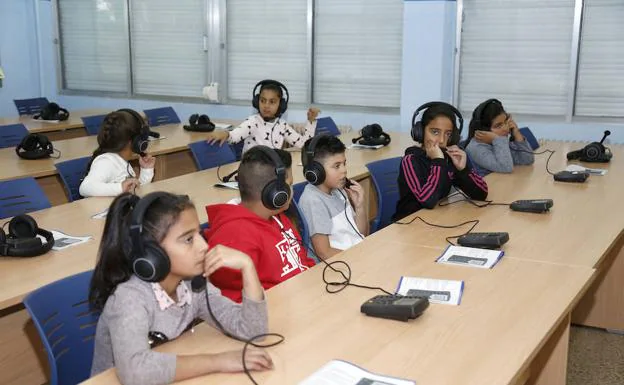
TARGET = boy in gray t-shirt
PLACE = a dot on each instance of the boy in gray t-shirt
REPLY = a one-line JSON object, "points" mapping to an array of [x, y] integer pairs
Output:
{"points": [[336, 214]]}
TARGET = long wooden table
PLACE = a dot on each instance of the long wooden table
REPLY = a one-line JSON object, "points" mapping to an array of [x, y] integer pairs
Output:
{"points": [[506, 330], [70, 128]]}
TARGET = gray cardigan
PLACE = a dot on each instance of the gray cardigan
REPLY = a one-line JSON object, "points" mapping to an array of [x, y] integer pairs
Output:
{"points": [[501, 155], [132, 311]]}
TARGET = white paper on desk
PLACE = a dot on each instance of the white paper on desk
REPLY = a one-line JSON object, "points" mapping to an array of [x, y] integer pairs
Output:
{"points": [[471, 256], [223, 126], [100, 215], [370, 147], [437, 290], [231, 185], [63, 241], [152, 139], [591, 171], [338, 372]]}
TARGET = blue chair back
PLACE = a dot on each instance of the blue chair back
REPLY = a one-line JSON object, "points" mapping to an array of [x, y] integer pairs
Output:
{"points": [[384, 174], [93, 124], [72, 173], [66, 325], [30, 106], [159, 116], [304, 232], [21, 196], [298, 190], [12, 134], [326, 126], [211, 155], [528, 135], [238, 149]]}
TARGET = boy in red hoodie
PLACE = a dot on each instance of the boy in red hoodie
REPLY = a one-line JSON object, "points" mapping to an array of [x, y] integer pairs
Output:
{"points": [[257, 227]]}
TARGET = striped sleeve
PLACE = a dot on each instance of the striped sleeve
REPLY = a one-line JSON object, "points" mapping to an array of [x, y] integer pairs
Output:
{"points": [[470, 182], [424, 181]]}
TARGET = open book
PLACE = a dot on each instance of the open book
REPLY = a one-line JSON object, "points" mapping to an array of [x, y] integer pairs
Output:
{"points": [[338, 372]]}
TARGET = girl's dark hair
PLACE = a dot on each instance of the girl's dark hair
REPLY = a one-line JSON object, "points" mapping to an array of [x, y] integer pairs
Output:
{"points": [[118, 128], [272, 87], [484, 115], [114, 264]]}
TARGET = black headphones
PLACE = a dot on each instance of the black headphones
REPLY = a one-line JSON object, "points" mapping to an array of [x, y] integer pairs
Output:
{"points": [[149, 261], [418, 131], [313, 171], [595, 152], [139, 142], [199, 123], [477, 114], [34, 146], [22, 240], [52, 111], [276, 193], [372, 135], [283, 105]]}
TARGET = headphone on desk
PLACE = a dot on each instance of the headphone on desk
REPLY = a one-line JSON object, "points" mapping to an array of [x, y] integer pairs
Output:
{"points": [[595, 152], [276, 193], [313, 171], [22, 240], [52, 111], [199, 123], [34, 146], [140, 142], [418, 130], [372, 135], [283, 104]]}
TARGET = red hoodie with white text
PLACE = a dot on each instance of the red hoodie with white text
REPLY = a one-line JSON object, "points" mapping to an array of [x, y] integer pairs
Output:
{"points": [[272, 244]]}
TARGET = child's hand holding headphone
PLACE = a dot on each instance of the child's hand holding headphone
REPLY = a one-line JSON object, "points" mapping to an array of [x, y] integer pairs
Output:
{"points": [[356, 195], [485, 136], [147, 161]]}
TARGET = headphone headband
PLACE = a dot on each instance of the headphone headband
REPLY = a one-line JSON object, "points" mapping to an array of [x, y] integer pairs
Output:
{"points": [[311, 149], [142, 123], [478, 112], [455, 111], [280, 169], [262, 83]]}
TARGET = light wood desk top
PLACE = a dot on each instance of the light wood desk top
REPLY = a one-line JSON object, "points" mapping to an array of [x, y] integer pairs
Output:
{"points": [[41, 126], [505, 317], [580, 229]]}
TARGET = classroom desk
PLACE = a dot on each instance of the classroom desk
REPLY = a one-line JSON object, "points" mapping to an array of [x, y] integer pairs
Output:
{"points": [[511, 327], [70, 128]]}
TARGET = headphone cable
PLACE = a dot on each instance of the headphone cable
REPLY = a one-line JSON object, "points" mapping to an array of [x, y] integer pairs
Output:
{"points": [[346, 200]]}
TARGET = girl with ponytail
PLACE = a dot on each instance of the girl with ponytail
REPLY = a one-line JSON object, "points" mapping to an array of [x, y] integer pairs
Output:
{"points": [[123, 134]]}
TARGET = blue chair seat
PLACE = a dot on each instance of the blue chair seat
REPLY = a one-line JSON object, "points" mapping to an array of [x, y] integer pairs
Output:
{"points": [[21, 196], [384, 174], [72, 173], [11, 135], [211, 155]]}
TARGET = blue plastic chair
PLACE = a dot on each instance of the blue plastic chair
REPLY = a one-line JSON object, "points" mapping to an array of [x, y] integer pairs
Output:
{"points": [[30, 106], [12, 134], [66, 325], [159, 116], [528, 135], [298, 190], [21, 196], [211, 155], [304, 232], [326, 126], [384, 174], [238, 149], [72, 173], [93, 124]]}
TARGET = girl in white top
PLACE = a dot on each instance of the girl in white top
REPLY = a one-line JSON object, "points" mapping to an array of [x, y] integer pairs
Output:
{"points": [[123, 134]]}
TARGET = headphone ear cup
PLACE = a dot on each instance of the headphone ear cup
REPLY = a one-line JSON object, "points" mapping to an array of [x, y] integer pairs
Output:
{"points": [[23, 226], [3, 237], [193, 119], [275, 195], [592, 151], [154, 265], [140, 144], [314, 173], [283, 106], [417, 132], [255, 102]]}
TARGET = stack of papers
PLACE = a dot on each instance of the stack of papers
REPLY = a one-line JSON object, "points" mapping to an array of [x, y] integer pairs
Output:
{"points": [[63, 241], [357, 145], [338, 372], [436, 290], [231, 185], [470, 256]]}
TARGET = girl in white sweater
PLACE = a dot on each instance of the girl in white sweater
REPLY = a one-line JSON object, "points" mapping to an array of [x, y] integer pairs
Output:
{"points": [[123, 133]]}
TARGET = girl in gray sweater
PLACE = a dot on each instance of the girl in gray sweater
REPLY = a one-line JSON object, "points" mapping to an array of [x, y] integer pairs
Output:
{"points": [[495, 142], [150, 249]]}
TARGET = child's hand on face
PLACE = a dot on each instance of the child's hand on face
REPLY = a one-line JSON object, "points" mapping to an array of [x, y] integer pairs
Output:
{"points": [[313, 113], [218, 136], [129, 185], [458, 157], [433, 151], [356, 195], [147, 161], [223, 256], [255, 359], [485, 136]]}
